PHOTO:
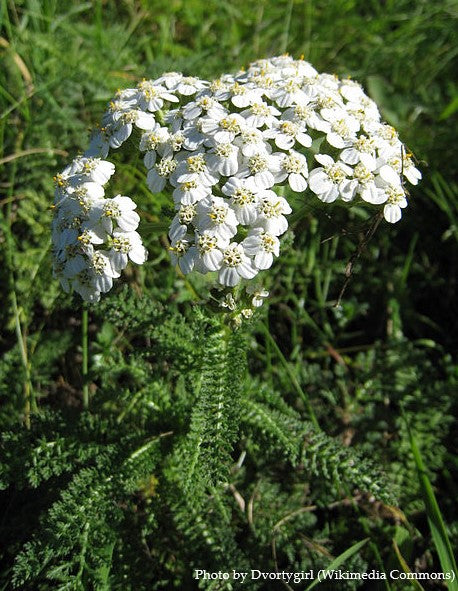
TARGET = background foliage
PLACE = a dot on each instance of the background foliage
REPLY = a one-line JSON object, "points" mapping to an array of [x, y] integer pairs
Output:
{"points": [[153, 474]]}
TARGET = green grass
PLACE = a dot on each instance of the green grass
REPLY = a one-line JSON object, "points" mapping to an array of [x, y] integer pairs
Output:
{"points": [[435, 519], [350, 368]]}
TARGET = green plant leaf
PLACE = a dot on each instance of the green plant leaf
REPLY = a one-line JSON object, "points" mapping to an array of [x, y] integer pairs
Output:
{"points": [[340, 560], [435, 520], [405, 567]]}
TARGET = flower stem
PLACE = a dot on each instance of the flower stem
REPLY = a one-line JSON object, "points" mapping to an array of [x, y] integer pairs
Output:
{"points": [[84, 346], [29, 399]]}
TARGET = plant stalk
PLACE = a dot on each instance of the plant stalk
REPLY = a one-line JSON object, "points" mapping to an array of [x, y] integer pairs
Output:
{"points": [[84, 346]]}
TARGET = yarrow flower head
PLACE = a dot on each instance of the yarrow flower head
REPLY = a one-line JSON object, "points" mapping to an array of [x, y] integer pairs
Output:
{"points": [[232, 154]]}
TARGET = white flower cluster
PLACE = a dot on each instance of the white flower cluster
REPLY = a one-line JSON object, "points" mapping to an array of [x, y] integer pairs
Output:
{"points": [[225, 150], [93, 236]]}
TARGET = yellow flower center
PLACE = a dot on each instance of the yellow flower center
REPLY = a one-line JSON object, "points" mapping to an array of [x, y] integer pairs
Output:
{"points": [[196, 163], [148, 90], [121, 245], [232, 257], [98, 263], [165, 167], [257, 163], [335, 173], [395, 195], [268, 243], [364, 144], [218, 214], [207, 243], [243, 197], [181, 247], [187, 213], [269, 209], [292, 164], [230, 124], [224, 150], [363, 174], [289, 128]]}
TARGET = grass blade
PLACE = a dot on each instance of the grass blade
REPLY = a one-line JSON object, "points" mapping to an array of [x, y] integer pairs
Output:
{"points": [[302, 394], [435, 520], [339, 561], [405, 567]]}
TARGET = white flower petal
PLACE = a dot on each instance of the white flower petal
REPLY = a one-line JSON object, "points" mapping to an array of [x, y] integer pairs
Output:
{"points": [[297, 182], [389, 175], [330, 195], [129, 221], [304, 139], [284, 142], [247, 270], [263, 260], [145, 121], [319, 182], [335, 140], [155, 182], [347, 189], [350, 156], [324, 159], [368, 160], [372, 194], [149, 159], [392, 213], [138, 254], [213, 259], [228, 276]]}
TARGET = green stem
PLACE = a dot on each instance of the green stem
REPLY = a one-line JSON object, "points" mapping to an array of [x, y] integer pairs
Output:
{"points": [[84, 345], [29, 399], [5, 224]]}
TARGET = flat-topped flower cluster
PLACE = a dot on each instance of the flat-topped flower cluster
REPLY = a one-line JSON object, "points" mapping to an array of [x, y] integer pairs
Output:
{"points": [[225, 151]]}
